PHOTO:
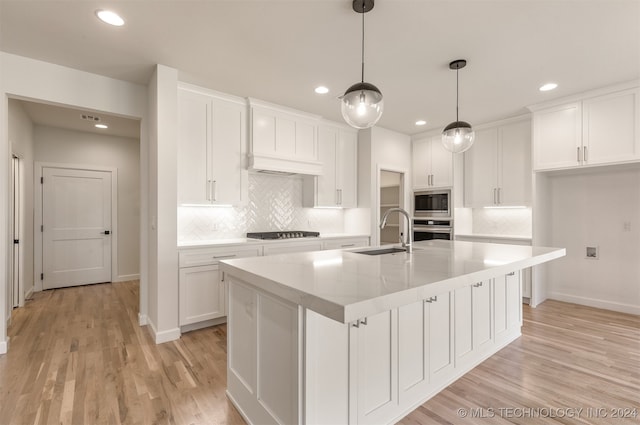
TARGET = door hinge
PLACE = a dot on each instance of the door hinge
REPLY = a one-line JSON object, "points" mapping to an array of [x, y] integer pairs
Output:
{"points": [[41, 276], [42, 227], [16, 241], [41, 180]]}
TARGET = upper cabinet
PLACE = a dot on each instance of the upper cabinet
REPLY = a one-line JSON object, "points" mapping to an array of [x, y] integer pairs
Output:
{"points": [[432, 163], [497, 168], [283, 140], [337, 185], [211, 147], [602, 129]]}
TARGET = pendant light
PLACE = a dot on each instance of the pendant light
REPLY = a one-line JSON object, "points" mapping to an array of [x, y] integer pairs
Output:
{"points": [[362, 103], [458, 136]]}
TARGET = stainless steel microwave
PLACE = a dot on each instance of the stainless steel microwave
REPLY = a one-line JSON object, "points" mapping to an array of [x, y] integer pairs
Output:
{"points": [[432, 203]]}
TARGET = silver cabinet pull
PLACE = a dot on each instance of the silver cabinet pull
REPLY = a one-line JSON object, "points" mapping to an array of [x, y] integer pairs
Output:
{"points": [[215, 191], [208, 190], [431, 299], [349, 245], [339, 196], [511, 274], [477, 285], [584, 154], [578, 154], [359, 322]]}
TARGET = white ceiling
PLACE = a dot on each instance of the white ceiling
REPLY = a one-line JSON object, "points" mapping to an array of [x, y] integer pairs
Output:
{"points": [[279, 51]]}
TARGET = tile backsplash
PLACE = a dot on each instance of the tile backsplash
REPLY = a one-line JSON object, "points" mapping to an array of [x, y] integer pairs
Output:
{"points": [[275, 203], [502, 221]]}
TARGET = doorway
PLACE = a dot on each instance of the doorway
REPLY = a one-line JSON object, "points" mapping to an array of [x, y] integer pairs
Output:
{"points": [[15, 279], [76, 226], [391, 196]]}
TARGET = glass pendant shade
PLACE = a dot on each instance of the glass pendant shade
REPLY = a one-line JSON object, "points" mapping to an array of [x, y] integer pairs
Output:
{"points": [[458, 137], [362, 105]]}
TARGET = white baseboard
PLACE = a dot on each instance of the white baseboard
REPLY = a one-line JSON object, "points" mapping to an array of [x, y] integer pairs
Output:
{"points": [[142, 319], [593, 302], [4, 346], [164, 336], [29, 294], [126, 277]]}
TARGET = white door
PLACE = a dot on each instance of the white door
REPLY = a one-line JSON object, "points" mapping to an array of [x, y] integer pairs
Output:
{"points": [[76, 215]]}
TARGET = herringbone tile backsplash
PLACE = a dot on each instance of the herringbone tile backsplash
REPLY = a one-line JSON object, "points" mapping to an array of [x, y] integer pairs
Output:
{"points": [[275, 203]]}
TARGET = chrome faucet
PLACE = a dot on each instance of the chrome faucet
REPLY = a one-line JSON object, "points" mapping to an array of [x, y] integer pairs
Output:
{"points": [[408, 242]]}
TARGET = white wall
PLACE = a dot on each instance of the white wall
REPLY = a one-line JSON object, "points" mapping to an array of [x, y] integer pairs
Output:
{"points": [[590, 209], [26, 78], [21, 139], [381, 149], [56, 145]]}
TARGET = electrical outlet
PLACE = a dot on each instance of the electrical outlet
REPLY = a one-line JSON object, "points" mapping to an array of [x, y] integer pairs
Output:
{"points": [[626, 226], [592, 252]]}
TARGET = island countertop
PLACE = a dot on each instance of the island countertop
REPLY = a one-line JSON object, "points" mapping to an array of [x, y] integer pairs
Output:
{"points": [[346, 285]]}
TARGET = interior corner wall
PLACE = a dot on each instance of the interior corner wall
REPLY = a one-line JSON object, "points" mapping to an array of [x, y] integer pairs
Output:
{"points": [[26, 78], [57, 145], [21, 139], [163, 233], [596, 208]]}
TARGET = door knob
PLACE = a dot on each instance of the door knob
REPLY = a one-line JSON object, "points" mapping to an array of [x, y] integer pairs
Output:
{"points": [[106, 232]]}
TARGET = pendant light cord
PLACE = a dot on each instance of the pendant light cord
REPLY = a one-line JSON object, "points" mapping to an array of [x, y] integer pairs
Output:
{"points": [[362, 53], [457, 93]]}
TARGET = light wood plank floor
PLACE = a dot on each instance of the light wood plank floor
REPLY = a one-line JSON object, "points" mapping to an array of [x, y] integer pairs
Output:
{"points": [[78, 356]]}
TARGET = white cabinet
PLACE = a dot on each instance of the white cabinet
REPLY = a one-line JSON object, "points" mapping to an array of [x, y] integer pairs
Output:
{"points": [[283, 140], [508, 311], [201, 290], [373, 352], [346, 243], [473, 322], [432, 163], [497, 168], [603, 129], [337, 186], [211, 147]]}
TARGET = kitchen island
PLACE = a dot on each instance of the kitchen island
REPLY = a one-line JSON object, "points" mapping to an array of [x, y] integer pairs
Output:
{"points": [[337, 337]]}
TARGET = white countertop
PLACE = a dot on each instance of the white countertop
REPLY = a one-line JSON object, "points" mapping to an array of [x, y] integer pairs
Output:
{"points": [[345, 285], [246, 241]]}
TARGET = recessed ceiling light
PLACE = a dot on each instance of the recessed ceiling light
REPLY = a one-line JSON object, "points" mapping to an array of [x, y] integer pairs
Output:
{"points": [[101, 126], [548, 86], [421, 122], [321, 90], [109, 17]]}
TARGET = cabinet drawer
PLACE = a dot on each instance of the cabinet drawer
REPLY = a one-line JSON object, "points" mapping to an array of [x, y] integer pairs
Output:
{"points": [[346, 243], [212, 256], [292, 247]]}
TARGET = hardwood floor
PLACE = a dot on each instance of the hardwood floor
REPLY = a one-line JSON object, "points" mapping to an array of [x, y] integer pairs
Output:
{"points": [[77, 355]]}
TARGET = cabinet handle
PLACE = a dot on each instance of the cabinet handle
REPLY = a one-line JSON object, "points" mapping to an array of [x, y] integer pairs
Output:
{"points": [[364, 321], [431, 299], [578, 154], [359, 322], [477, 285], [220, 257], [349, 245], [511, 274], [499, 195], [208, 190], [215, 191], [339, 196], [584, 154]]}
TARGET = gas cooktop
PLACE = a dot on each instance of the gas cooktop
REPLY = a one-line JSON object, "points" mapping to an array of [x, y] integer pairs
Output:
{"points": [[284, 234]]}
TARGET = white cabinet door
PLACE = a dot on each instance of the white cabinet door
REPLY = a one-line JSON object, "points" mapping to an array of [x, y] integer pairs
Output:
{"points": [[473, 321], [481, 310], [610, 128], [481, 170], [228, 140], [193, 147], [375, 361], [211, 149], [440, 338], [201, 294], [421, 158], [514, 164], [557, 137], [507, 305], [327, 185], [347, 168], [345, 243], [432, 164], [441, 164], [413, 351]]}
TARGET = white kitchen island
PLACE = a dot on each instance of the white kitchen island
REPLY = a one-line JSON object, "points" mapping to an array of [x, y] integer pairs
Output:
{"points": [[340, 337]]}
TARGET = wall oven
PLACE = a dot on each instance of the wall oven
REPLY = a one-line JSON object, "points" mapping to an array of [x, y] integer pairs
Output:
{"points": [[432, 203], [429, 229]]}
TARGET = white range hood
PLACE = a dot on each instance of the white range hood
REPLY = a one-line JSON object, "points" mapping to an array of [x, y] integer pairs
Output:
{"points": [[287, 166]]}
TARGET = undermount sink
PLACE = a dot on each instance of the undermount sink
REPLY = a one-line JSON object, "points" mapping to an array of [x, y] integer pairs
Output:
{"points": [[381, 251]]}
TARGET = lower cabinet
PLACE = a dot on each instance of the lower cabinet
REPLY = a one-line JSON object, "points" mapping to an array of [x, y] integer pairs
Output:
{"points": [[508, 314], [473, 321], [202, 294]]}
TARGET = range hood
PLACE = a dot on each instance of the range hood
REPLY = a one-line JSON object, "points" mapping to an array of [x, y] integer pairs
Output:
{"points": [[284, 166]]}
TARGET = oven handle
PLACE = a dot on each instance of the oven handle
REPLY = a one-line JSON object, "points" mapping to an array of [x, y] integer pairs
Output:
{"points": [[432, 229]]}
